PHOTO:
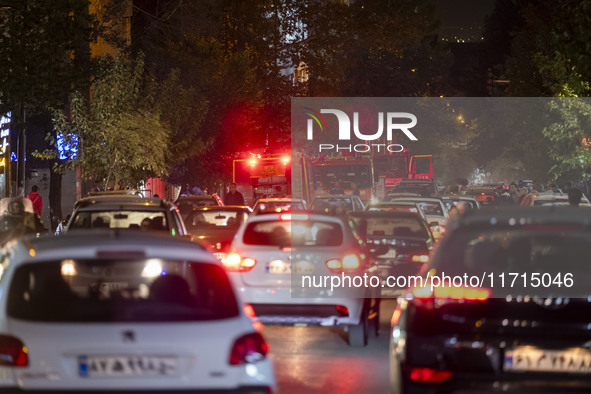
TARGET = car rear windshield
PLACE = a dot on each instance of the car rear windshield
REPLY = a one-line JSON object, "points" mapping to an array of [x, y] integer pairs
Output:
{"points": [[293, 233], [186, 206], [530, 248], [147, 290], [327, 204], [392, 227], [203, 220], [278, 206], [122, 219]]}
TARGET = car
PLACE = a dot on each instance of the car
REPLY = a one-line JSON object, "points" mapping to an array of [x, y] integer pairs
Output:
{"points": [[103, 311], [484, 195], [187, 203], [400, 206], [550, 198], [406, 241], [462, 202], [272, 253], [511, 332], [216, 226], [276, 205], [425, 187], [127, 213], [434, 210], [338, 204]]}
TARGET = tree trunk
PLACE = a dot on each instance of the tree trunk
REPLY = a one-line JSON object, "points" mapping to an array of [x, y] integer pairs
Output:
{"points": [[55, 199]]}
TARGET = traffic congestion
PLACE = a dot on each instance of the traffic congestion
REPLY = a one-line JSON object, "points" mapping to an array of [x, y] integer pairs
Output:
{"points": [[135, 289], [279, 196]]}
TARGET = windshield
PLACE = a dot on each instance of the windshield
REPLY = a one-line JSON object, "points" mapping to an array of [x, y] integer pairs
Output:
{"points": [[343, 175], [392, 227], [332, 204], [121, 219], [201, 220], [293, 233], [149, 290]]}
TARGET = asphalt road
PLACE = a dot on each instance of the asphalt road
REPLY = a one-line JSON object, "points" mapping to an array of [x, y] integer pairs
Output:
{"points": [[319, 360]]}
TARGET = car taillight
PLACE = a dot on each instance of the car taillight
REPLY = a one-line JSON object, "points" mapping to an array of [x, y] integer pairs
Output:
{"points": [[248, 348], [250, 313], [458, 293], [13, 352], [235, 263], [429, 375], [349, 263], [419, 258]]}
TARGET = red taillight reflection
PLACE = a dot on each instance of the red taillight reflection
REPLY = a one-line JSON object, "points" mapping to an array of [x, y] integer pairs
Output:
{"points": [[429, 375], [248, 348], [13, 352], [343, 310]]}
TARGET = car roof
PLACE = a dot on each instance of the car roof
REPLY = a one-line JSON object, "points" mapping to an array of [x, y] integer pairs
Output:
{"points": [[279, 199], [237, 208], [120, 201], [524, 215], [277, 217], [89, 243], [381, 214], [417, 199]]}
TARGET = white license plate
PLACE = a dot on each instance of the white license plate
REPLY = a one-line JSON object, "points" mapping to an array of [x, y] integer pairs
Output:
{"points": [[282, 267], [390, 255], [219, 256], [127, 366], [540, 360]]}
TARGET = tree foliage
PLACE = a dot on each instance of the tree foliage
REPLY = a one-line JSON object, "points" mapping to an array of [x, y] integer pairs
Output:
{"points": [[122, 134]]}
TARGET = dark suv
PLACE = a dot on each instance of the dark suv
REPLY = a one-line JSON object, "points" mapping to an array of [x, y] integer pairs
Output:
{"points": [[523, 325]]}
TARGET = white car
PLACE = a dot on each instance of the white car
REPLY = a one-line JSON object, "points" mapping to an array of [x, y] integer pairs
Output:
{"points": [[103, 311], [435, 211], [271, 253]]}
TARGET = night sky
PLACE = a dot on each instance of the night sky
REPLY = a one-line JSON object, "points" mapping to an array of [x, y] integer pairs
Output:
{"points": [[458, 16]]}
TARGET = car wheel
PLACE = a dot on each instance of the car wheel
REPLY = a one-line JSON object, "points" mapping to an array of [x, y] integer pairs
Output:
{"points": [[358, 333]]}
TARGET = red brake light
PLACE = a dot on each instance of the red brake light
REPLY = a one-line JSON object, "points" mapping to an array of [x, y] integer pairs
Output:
{"points": [[429, 375], [248, 348], [349, 262], [249, 311], [234, 263], [252, 162], [343, 310], [13, 352]]}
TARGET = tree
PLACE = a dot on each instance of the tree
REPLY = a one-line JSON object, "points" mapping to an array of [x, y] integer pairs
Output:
{"points": [[122, 135], [43, 48]]}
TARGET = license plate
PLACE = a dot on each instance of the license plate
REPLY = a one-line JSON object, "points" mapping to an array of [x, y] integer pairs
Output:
{"points": [[127, 366], [219, 256], [279, 267], [539, 360], [282, 267], [390, 255]]}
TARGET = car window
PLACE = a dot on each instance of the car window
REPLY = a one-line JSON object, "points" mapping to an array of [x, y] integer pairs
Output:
{"points": [[431, 208], [278, 206], [187, 205], [98, 290], [199, 220], [293, 233], [121, 219], [402, 227], [327, 204], [531, 248]]}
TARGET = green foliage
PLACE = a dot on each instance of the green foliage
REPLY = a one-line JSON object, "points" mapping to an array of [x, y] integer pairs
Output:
{"points": [[122, 138]]}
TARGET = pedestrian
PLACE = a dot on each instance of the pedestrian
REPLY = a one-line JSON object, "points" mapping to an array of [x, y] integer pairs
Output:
{"points": [[513, 192], [355, 189], [574, 196], [37, 200], [233, 197], [522, 193]]}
